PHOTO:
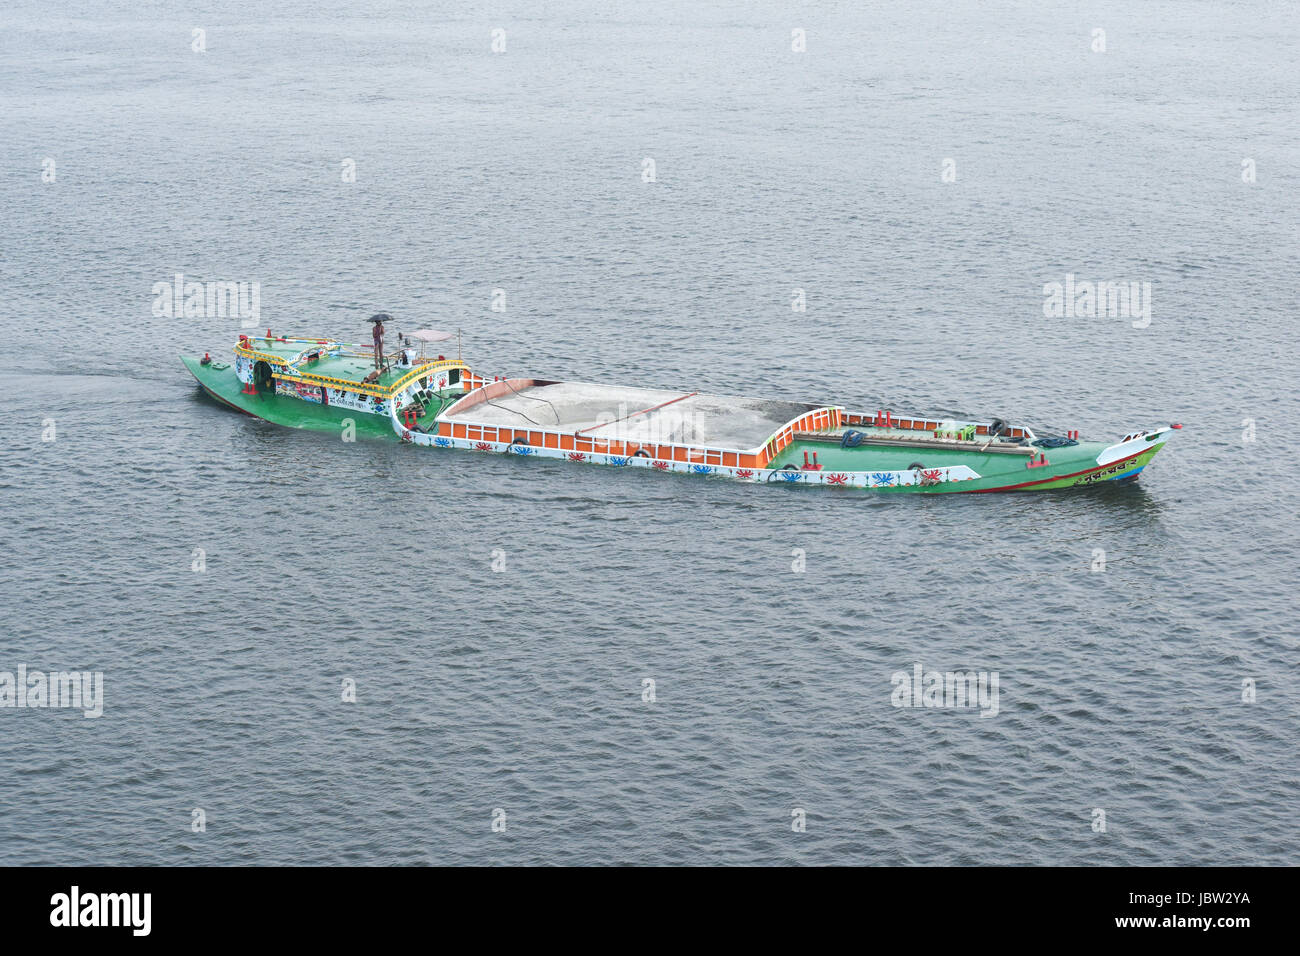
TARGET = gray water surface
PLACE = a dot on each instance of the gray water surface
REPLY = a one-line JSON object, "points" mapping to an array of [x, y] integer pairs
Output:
{"points": [[522, 688]]}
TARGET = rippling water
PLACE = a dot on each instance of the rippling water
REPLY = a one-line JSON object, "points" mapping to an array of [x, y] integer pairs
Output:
{"points": [[521, 689]]}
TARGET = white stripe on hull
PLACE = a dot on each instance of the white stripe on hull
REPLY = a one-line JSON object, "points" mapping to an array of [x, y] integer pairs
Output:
{"points": [[843, 479]]}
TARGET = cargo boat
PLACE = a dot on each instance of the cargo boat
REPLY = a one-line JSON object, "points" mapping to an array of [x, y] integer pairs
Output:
{"points": [[440, 402]]}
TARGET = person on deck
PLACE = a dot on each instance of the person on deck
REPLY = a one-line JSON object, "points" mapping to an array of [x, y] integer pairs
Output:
{"points": [[378, 335]]}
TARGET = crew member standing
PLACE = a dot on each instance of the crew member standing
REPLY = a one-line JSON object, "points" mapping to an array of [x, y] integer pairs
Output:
{"points": [[378, 335]]}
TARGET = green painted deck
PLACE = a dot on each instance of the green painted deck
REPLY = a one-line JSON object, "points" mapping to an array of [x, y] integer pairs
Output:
{"points": [[435, 409], [348, 366], [886, 458], [351, 368]]}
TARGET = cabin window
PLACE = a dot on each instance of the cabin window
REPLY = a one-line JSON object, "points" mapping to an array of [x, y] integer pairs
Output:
{"points": [[453, 377]]}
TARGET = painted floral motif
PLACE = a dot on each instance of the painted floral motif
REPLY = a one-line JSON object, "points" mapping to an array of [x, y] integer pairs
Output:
{"points": [[882, 479], [442, 442], [931, 477], [791, 475], [744, 473], [661, 465], [836, 479], [483, 446], [577, 456], [618, 461], [702, 469], [521, 449]]}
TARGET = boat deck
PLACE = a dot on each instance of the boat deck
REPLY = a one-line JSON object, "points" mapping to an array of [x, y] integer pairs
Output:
{"points": [[635, 414], [339, 364], [351, 368], [891, 457], [348, 366], [884, 436]]}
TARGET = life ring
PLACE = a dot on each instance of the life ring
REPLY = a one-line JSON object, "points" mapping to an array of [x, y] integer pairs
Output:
{"points": [[916, 466], [997, 427], [640, 453]]}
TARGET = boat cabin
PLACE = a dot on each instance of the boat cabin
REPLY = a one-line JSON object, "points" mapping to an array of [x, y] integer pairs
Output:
{"points": [[344, 376]]}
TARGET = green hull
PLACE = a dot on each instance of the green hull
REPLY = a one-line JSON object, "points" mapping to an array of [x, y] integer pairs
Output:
{"points": [[1069, 467], [222, 385]]}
